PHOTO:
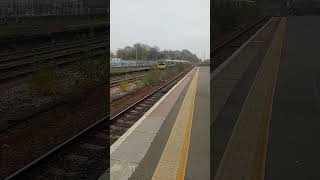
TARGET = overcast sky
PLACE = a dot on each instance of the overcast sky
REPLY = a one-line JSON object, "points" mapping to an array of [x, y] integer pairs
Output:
{"points": [[168, 24]]}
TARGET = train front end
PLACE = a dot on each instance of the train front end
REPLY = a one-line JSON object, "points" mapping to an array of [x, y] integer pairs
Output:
{"points": [[161, 65]]}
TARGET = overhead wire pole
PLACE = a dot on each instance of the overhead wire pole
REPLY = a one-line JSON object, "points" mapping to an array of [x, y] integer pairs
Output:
{"points": [[204, 55], [136, 53]]}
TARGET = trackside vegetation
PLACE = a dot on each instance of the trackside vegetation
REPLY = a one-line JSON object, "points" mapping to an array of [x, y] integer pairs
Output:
{"points": [[154, 76]]}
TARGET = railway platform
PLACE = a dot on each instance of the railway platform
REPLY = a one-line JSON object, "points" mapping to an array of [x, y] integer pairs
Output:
{"points": [[266, 124], [293, 147], [164, 142]]}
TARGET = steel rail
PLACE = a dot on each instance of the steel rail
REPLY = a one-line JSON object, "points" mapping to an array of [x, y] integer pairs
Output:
{"points": [[32, 70], [42, 48], [237, 35], [60, 146], [125, 80], [52, 51]]}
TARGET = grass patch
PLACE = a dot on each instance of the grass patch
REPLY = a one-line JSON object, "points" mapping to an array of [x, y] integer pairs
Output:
{"points": [[124, 87], [155, 76], [151, 78]]}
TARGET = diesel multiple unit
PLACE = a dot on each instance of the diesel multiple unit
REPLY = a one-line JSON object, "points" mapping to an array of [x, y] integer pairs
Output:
{"points": [[119, 63]]}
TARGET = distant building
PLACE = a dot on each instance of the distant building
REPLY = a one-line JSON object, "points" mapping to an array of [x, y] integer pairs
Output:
{"points": [[96, 6], [240, 3], [234, 3], [5, 7], [52, 7]]}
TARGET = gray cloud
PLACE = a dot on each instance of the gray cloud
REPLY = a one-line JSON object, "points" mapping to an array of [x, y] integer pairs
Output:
{"points": [[168, 24]]}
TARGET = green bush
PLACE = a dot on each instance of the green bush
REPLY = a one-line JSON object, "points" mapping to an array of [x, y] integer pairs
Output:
{"points": [[172, 71], [155, 76], [152, 77]]}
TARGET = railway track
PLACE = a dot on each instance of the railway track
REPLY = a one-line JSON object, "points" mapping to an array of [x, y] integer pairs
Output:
{"points": [[20, 64], [7, 56], [119, 81], [221, 52], [122, 121], [114, 72], [85, 155]]}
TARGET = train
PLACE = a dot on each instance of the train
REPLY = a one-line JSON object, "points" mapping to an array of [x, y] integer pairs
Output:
{"points": [[160, 64], [163, 64], [119, 63]]}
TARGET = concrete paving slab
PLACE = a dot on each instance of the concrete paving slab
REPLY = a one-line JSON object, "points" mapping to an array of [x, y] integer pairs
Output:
{"points": [[230, 76], [138, 143], [121, 169], [169, 167], [159, 113], [164, 108], [224, 83], [150, 125], [220, 98]]}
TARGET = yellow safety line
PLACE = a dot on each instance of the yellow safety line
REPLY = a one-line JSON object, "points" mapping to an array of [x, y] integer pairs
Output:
{"points": [[262, 156], [172, 164], [186, 144]]}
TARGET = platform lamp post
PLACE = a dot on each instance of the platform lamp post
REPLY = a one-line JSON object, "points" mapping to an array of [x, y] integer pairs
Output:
{"points": [[204, 56]]}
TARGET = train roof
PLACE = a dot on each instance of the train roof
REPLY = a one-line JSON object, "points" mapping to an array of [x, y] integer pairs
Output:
{"points": [[173, 60], [130, 60]]}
